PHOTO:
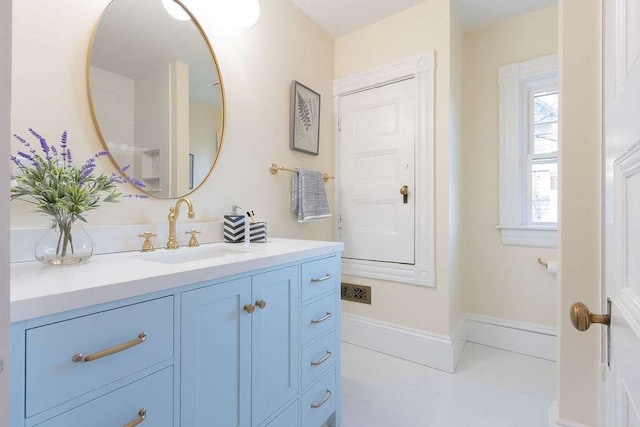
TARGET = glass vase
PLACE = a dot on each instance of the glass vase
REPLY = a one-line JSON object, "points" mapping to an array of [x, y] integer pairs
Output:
{"points": [[65, 243]]}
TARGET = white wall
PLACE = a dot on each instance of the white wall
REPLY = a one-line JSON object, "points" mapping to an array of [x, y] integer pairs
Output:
{"points": [[153, 125], [204, 123], [416, 30], [5, 129], [499, 280], [257, 67], [580, 212], [113, 97]]}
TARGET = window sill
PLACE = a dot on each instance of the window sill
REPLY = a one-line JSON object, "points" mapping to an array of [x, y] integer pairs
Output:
{"points": [[537, 237]]}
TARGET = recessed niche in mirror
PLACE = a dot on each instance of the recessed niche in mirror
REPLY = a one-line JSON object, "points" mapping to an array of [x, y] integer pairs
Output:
{"points": [[156, 94]]}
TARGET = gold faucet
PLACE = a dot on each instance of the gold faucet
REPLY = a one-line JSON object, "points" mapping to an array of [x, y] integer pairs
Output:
{"points": [[174, 211]]}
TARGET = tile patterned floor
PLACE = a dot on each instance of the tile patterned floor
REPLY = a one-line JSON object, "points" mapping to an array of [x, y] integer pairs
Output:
{"points": [[491, 388]]}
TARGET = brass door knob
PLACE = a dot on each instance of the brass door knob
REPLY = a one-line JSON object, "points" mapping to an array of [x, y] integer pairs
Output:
{"points": [[261, 304], [249, 308], [582, 318], [404, 190]]}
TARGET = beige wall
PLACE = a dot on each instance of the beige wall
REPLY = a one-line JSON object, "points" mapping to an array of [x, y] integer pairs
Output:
{"points": [[499, 280], [416, 30], [580, 192], [50, 47], [456, 174], [5, 104]]}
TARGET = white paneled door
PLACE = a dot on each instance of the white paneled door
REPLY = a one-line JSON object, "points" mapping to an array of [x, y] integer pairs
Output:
{"points": [[376, 158], [622, 208]]}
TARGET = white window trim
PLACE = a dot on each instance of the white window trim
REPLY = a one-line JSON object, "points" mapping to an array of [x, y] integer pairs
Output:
{"points": [[514, 80]]}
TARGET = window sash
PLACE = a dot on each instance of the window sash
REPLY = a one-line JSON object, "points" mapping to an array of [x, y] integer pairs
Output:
{"points": [[531, 161], [530, 158]]}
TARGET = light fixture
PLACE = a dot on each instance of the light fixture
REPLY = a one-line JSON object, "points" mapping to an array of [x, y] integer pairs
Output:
{"points": [[240, 13], [249, 12], [175, 10]]}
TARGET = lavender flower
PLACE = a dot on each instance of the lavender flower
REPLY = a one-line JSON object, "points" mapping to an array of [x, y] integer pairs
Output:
{"points": [[25, 143], [26, 156], [16, 160]]}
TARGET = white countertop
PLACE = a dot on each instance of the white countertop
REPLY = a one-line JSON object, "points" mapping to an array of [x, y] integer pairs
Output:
{"points": [[39, 290]]}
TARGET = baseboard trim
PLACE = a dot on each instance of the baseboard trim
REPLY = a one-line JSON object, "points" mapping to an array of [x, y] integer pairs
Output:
{"points": [[556, 421], [433, 350], [518, 337], [443, 352]]}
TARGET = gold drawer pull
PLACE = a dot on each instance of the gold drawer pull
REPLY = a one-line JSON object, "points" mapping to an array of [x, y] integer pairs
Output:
{"points": [[322, 279], [78, 357], [261, 304], [323, 401], [321, 361], [322, 319], [142, 415]]}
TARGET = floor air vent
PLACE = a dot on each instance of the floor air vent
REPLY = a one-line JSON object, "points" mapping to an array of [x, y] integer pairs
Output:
{"points": [[356, 293]]}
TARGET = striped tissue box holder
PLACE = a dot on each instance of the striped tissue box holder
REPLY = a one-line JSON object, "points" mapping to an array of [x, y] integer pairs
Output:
{"points": [[234, 228]]}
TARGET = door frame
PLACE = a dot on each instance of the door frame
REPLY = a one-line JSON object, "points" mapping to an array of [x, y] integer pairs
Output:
{"points": [[5, 131], [421, 67]]}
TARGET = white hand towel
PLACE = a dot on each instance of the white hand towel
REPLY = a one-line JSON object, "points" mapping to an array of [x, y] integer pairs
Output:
{"points": [[308, 195]]}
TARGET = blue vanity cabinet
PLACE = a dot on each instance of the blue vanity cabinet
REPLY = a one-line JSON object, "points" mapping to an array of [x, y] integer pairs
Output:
{"points": [[259, 348], [274, 341], [215, 386], [240, 352]]}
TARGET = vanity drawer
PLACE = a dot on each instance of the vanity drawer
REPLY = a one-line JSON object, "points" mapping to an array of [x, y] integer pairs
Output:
{"points": [[53, 377], [153, 394], [318, 317], [288, 417], [319, 402], [317, 357], [318, 277]]}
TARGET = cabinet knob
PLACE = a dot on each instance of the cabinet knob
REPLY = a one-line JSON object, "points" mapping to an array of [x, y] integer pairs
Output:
{"points": [[249, 308], [261, 304]]}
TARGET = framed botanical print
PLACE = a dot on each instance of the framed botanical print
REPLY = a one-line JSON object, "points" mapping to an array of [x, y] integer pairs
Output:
{"points": [[305, 119]]}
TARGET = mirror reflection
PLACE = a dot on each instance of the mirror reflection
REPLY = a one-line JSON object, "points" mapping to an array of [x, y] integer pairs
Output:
{"points": [[156, 95]]}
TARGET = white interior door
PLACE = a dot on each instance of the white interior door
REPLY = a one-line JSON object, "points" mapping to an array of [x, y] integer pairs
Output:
{"points": [[376, 160], [622, 208]]}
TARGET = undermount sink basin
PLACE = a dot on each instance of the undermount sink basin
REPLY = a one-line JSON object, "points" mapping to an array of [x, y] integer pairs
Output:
{"points": [[187, 254]]}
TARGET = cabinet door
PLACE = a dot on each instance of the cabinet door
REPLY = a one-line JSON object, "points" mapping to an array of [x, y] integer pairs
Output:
{"points": [[275, 351], [216, 356]]}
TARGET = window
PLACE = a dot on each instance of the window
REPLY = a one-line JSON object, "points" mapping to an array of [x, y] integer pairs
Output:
{"points": [[529, 152]]}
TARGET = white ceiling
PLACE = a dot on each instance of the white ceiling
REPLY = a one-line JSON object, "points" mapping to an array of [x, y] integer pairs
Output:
{"points": [[340, 17]]}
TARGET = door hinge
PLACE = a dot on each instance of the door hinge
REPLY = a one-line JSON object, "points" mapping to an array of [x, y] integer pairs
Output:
{"points": [[339, 124]]}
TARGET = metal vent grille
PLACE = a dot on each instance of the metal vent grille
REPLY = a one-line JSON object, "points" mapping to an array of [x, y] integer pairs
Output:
{"points": [[356, 293]]}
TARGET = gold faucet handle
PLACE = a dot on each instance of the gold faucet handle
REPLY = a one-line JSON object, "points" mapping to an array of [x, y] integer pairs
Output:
{"points": [[147, 245], [193, 241]]}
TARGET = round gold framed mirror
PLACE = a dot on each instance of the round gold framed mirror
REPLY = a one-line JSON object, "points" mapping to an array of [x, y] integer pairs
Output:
{"points": [[156, 95]]}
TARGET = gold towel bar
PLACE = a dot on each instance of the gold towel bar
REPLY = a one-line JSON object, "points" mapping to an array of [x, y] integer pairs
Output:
{"points": [[274, 168]]}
